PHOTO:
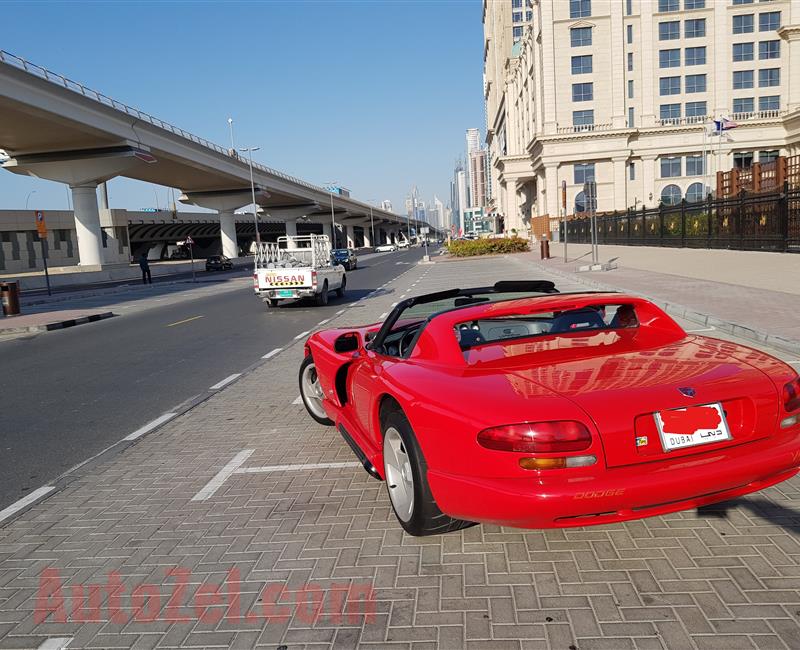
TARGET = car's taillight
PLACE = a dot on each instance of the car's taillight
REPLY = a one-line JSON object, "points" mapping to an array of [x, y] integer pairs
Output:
{"points": [[537, 437], [791, 395], [255, 280], [313, 278]]}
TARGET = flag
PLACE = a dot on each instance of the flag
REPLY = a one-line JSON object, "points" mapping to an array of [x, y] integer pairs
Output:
{"points": [[723, 124]]}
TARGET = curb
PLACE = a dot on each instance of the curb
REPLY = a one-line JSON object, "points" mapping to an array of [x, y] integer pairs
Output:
{"points": [[57, 325], [675, 309]]}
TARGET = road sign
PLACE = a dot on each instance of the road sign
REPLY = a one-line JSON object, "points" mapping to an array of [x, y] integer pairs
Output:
{"points": [[41, 226], [424, 230], [188, 241]]}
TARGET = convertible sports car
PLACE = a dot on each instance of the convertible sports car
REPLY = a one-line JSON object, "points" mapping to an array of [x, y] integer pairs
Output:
{"points": [[522, 406]]}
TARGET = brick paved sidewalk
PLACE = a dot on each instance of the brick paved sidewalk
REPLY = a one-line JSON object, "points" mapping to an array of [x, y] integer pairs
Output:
{"points": [[317, 560], [766, 313]]}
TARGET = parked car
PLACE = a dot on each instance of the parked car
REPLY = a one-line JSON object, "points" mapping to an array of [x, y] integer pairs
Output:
{"points": [[218, 263], [403, 243], [560, 409], [385, 248], [346, 257]]}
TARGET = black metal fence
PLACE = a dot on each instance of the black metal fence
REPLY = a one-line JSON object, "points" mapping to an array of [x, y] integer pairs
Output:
{"points": [[768, 222]]}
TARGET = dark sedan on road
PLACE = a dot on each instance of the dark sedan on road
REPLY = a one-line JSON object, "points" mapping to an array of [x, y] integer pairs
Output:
{"points": [[219, 263], [346, 257]]}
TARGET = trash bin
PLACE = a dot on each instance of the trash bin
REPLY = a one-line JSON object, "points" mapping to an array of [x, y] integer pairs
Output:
{"points": [[9, 293], [544, 249]]}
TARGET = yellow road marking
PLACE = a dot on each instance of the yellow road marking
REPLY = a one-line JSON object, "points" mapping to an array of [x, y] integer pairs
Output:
{"points": [[180, 322]]}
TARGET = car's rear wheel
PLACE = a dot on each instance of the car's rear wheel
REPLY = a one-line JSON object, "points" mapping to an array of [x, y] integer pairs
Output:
{"points": [[321, 299], [311, 391], [272, 303], [406, 475], [340, 290]]}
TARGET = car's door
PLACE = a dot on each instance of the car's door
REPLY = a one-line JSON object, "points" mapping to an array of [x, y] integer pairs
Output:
{"points": [[364, 385]]}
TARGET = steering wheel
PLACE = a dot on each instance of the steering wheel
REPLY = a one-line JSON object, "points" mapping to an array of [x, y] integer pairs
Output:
{"points": [[405, 341]]}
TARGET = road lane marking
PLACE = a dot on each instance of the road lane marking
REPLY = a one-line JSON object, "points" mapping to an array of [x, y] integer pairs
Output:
{"points": [[56, 643], [290, 468], [301, 335], [271, 353], [340, 312], [225, 381], [323, 321], [186, 320], [216, 483], [383, 315], [298, 400], [150, 426], [705, 329], [25, 501]]}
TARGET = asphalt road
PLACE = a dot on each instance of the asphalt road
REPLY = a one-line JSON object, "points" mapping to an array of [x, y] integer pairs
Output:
{"points": [[69, 394]]}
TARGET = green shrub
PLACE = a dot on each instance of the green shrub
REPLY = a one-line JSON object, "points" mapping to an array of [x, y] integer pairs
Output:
{"points": [[470, 247]]}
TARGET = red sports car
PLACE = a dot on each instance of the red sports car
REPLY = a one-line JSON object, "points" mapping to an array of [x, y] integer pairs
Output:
{"points": [[522, 406]]}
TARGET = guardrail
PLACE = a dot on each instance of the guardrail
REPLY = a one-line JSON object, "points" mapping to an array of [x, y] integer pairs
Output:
{"points": [[60, 80]]}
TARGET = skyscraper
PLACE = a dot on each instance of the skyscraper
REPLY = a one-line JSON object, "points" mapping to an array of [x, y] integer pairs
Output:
{"points": [[473, 140]]}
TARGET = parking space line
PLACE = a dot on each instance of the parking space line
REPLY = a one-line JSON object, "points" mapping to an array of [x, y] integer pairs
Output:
{"points": [[215, 483], [149, 426], [290, 468], [25, 501], [383, 315], [301, 335], [340, 312], [225, 381], [323, 321], [56, 643], [271, 353], [705, 329], [298, 400]]}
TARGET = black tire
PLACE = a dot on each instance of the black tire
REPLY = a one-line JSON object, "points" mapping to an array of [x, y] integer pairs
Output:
{"points": [[340, 290], [272, 303], [426, 518], [309, 361], [321, 299]]}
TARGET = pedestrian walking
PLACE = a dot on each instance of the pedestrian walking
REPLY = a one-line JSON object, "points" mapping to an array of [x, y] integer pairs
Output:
{"points": [[145, 266]]}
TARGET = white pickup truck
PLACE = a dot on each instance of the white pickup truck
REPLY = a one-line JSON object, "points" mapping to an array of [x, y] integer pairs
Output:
{"points": [[297, 267]]}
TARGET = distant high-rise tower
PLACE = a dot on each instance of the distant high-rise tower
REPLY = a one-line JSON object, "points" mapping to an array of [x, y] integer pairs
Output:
{"points": [[473, 140]]}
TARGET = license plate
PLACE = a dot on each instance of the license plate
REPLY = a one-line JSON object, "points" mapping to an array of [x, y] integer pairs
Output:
{"points": [[692, 426], [285, 293]]}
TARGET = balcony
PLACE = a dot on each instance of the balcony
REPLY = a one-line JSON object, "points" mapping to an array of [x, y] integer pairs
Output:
{"points": [[584, 128], [682, 121]]}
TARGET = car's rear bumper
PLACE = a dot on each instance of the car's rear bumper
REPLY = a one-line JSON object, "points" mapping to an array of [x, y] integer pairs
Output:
{"points": [[619, 494]]}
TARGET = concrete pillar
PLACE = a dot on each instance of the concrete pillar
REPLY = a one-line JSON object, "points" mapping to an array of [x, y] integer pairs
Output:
{"points": [[620, 184], [87, 224], [367, 235], [551, 183], [649, 181], [227, 229], [349, 236], [291, 228]]}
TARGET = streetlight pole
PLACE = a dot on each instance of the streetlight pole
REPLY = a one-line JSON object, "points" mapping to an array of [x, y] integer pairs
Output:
{"points": [[41, 241], [28, 198], [250, 151], [230, 126], [371, 222]]}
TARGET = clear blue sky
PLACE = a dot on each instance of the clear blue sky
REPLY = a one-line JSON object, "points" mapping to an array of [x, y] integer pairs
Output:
{"points": [[375, 94]]}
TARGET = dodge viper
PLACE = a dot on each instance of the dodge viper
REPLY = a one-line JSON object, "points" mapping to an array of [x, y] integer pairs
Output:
{"points": [[518, 405]]}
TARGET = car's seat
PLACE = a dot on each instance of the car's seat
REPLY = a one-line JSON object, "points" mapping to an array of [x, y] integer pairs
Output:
{"points": [[577, 320], [470, 338]]}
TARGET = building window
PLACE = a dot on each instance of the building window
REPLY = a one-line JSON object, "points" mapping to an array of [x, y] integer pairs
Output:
{"points": [[743, 159], [583, 173], [670, 111], [743, 105], [769, 49], [630, 88], [696, 109], [695, 56], [743, 2], [580, 8], [669, 58], [670, 167], [694, 165], [694, 193], [629, 30], [670, 31], [695, 28], [632, 171], [517, 33], [630, 117], [742, 79], [516, 4], [583, 118], [529, 16], [668, 5], [769, 103], [768, 156], [669, 85], [582, 92], [743, 24], [516, 17], [671, 195], [630, 61], [742, 52], [769, 21], [695, 83], [580, 36], [694, 4], [582, 64], [628, 7], [769, 77], [582, 205]]}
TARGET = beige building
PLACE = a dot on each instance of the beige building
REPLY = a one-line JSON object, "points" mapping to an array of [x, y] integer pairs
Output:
{"points": [[623, 92]]}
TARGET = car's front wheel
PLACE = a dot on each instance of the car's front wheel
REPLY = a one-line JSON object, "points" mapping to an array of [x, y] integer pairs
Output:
{"points": [[311, 391], [406, 475], [340, 290]]}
